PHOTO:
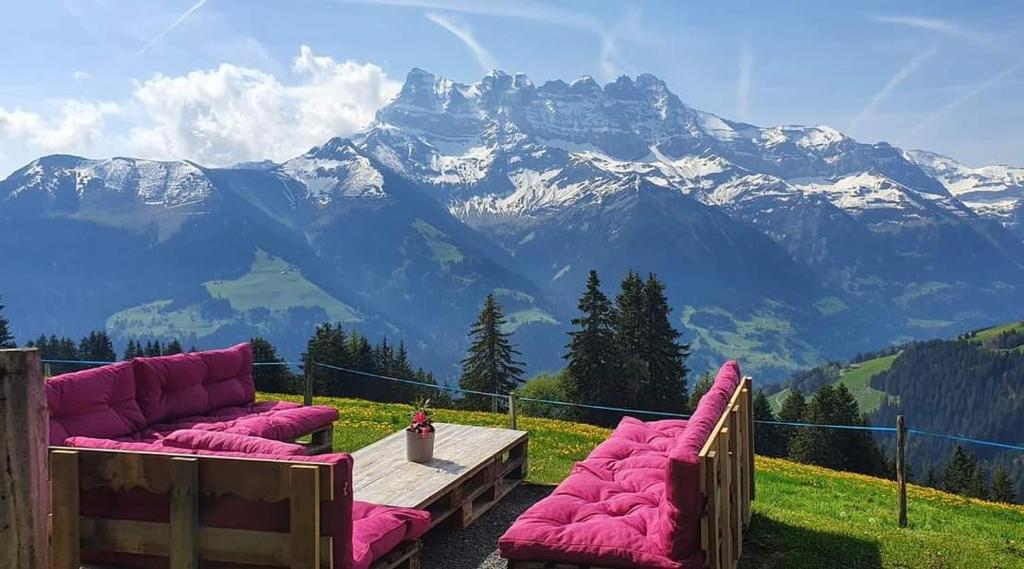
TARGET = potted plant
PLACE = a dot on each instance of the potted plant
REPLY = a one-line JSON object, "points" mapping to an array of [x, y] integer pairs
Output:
{"points": [[419, 437]]}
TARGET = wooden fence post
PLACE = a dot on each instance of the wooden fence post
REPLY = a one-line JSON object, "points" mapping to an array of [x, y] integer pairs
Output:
{"points": [[307, 386], [901, 467], [24, 484], [512, 411]]}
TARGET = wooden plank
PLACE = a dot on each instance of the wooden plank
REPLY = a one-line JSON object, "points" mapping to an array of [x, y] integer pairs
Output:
{"points": [[749, 385], [724, 483], [247, 547], [710, 526], [250, 479], [305, 517], [184, 513], [735, 482], [65, 541], [383, 475], [24, 436], [406, 555]]}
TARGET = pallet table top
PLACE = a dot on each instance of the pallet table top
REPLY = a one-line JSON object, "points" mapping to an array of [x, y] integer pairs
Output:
{"points": [[382, 475]]}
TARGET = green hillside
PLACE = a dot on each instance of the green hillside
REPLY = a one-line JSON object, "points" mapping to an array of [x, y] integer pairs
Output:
{"points": [[804, 517], [855, 377]]}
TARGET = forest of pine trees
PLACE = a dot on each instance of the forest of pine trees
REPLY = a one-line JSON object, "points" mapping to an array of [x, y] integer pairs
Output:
{"points": [[6, 338], [626, 354]]}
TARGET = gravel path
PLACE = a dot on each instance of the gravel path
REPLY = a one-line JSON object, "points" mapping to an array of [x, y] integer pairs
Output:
{"points": [[476, 547]]}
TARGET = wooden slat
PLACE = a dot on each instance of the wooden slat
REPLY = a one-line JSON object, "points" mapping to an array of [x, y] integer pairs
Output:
{"points": [[65, 531], [735, 481], [249, 479], [711, 534], [305, 517], [245, 547], [724, 484], [384, 476], [750, 438], [184, 513]]}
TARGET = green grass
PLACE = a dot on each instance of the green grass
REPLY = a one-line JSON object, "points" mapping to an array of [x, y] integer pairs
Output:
{"points": [[855, 377], [990, 333], [273, 284], [443, 252], [804, 517]]}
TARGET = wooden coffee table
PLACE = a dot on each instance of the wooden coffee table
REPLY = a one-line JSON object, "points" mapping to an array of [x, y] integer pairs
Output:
{"points": [[473, 468]]}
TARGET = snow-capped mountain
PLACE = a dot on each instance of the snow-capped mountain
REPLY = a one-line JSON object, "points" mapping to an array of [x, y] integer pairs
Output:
{"points": [[780, 245]]}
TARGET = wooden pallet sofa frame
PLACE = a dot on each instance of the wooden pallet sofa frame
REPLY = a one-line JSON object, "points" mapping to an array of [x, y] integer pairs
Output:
{"points": [[139, 509], [669, 494], [141, 404]]}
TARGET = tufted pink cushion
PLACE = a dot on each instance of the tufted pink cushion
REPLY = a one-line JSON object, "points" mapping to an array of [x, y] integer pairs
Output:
{"points": [[679, 531], [97, 402], [278, 420], [229, 442], [376, 530], [176, 386]]}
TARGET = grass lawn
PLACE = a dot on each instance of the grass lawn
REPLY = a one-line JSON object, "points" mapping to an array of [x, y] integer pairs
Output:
{"points": [[855, 378], [804, 517]]}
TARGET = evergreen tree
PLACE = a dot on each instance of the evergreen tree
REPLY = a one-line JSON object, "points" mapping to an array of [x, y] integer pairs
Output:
{"points": [[931, 479], [6, 337], [631, 337], [839, 449], [769, 440], [793, 410], [491, 364], [1002, 485], [272, 378], [327, 345], [703, 385], [958, 477], [812, 445], [97, 347], [132, 350], [173, 347], [665, 357], [592, 360]]}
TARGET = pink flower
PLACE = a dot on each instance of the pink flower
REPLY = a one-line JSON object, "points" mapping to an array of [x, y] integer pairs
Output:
{"points": [[420, 417]]}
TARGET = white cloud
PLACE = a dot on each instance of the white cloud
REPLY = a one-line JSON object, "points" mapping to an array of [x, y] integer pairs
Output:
{"points": [[904, 72], [465, 35], [77, 128], [972, 92], [232, 113], [746, 65], [80, 75]]}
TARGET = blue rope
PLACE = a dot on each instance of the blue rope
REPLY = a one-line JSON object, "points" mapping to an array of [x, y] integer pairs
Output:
{"points": [[409, 381], [966, 439], [78, 362], [288, 364], [823, 426], [603, 408]]}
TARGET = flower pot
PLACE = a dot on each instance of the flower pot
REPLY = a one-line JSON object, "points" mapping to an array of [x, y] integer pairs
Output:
{"points": [[419, 448]]}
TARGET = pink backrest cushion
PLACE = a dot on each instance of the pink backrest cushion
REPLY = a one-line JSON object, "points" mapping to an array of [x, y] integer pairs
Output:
{"points": [[230, 442], [181, 385], [97, 402], [229, 512], [681, 506]]}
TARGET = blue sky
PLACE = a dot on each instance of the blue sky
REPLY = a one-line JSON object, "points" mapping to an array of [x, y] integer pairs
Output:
{"points": [[219, 81]]}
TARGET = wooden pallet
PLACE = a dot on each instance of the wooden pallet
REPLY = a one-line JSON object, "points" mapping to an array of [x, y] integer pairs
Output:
{"points": [[405, 556], [473, 468], [320, 441]]}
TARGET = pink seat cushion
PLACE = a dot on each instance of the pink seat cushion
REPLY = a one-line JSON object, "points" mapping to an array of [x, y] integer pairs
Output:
{"points": [[170, 387], [679, 530], [376, 530], [98, 402], [230, 442], [595, 516], [278, 420]]}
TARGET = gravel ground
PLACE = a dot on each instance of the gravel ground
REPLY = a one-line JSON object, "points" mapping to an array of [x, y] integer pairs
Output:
{"points": [[476, 547]]}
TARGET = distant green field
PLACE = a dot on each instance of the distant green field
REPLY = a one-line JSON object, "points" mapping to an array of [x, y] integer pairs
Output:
{"points": [[994, 331], [855, 377], [442, 251]]}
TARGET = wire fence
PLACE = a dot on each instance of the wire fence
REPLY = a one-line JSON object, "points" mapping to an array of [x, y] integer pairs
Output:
{"points": [[622, 410]]}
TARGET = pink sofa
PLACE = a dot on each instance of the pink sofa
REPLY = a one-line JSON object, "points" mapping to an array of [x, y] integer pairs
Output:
{"points": [[145, 400], [361, 533], [634, 501]]}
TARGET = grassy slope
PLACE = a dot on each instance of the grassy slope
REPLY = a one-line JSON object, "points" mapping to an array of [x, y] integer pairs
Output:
{"points": [[855, 378], [805, 517]]}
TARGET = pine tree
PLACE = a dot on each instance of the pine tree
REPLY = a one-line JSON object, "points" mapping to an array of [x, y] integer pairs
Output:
{"points": [[6, 337], [703, 385], [931, 479], [631, 336], [272, 378], [97, 347], [769, 440], [665, 357], [132, 350], [491, 364], [1002, 485], [793, 410], [327, 346], [813, 445], [592, 360], [173, 347], [958, 477]]}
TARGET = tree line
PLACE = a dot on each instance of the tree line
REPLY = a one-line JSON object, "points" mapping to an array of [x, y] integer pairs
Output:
{"points": [[624, 353]]}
